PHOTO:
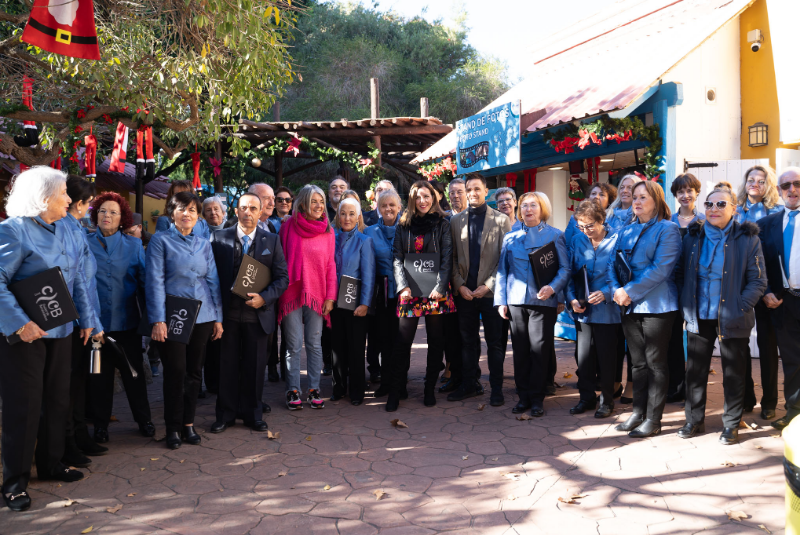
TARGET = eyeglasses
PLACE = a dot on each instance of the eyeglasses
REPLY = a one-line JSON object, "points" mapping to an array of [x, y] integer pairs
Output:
{"points": [[719, 204], [283, 200], [113, 213], [505, 201], [586, 228], [786, 185], [751, 182]]}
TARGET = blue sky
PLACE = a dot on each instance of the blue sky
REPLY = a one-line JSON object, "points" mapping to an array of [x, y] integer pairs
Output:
{"points": [[501, 28]]}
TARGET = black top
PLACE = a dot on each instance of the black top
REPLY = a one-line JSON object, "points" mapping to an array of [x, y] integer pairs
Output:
{"points": [[475, 220]]}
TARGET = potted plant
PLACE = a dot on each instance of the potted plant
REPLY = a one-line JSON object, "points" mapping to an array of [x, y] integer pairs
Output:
{"points": [[154, 215]]}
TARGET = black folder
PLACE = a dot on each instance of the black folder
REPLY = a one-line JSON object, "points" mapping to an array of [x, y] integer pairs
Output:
{"points": [[181, 316], [623, 269], [581, 281], [421, 272], [45, 299], [253, 277], [544, 262], [349, 293]]}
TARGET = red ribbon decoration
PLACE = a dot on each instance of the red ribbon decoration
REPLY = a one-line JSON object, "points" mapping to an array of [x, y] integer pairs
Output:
{"points": [[216, 166], [196, 184], [511, 179], [56, 164], [91, 156], [119, 153]]}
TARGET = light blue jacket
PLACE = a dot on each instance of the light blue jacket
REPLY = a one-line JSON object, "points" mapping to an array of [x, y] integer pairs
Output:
{"points": [[201, 228], [120, 275], [572, 228], [27, 248], [755, 212], [582, 253], [382, 243], [355, 258], [182, 266], [652, 288], [515, 284], [517, 225], [620, 218]]}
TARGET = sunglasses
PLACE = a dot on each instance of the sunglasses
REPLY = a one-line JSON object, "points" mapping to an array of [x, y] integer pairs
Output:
{"points": [[786, 185], [284, 200], [719, 204]]}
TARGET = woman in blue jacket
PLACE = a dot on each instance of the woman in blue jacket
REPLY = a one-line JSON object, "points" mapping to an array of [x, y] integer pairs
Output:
{"points": [[34, 372], [651, 247], [530, 309], [620, 212], [164, 222], [721, 275], [354, 258], [385, 319], [120, 277], [182, 264], [598, 318]]}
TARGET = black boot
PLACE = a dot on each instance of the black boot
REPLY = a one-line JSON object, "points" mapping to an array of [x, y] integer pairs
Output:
{"points": [[649, 428], [189, 435], [393, 402], [690, 430], [173, 440], [729, 436], [634, 421], [73, 456]]}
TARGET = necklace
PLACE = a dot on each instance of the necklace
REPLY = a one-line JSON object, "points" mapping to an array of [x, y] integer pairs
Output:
{"points": [[686, 218]]}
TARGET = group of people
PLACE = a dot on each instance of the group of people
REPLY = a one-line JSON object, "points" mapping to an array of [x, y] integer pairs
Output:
{"points": [[629, 272]]}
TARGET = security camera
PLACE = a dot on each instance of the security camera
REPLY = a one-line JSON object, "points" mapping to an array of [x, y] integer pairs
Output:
{"points": [[755, 38], [755, 47]]}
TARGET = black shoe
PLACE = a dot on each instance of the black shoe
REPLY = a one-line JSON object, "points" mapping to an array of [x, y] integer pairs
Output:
{"points": [[497, 399], [729, 436], [189, 435], [272, 374], [625, 401], [690, 430], [19, 501], [462, 394], [336, 397], [604, 411], [537, 409], [87, 445], [748, 408], [375, 378], [450, 386], [265, 408], [649, 428], [355, 402], [479, 388], [633, 421], [173, 440], [219, 427], [520, 407], [767, 414], [381, 391], [429, 399], [550, 390], [147, 429], [201, 394], [101, 435], [63, 473], [326, 372], [781, 423], [676, 397], [259, 426], [392, 403], [583, 406], [73, 456], [618, 393]]}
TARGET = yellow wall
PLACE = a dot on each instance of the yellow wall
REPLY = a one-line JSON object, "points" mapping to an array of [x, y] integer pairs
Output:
{"points": [[150, 204], [759, 92]]}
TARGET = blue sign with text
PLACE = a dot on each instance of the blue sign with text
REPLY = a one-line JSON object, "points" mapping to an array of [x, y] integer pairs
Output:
{"points": [[489, 139]]}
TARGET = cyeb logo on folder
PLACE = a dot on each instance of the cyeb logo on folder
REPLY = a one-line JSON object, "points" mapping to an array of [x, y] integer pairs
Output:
{"points": [[421, 272], [349, 291], [181, 317], [544, 263], [45, 299], [253, 277]]}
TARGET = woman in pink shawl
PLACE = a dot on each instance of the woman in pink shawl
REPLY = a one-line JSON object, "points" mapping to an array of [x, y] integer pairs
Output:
{"points": [[308, 241]]}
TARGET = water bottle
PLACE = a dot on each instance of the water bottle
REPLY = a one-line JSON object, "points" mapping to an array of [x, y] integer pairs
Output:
{"points": [[94, 364]]}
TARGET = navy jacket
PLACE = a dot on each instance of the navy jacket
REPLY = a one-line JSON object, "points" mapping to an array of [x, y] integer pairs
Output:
{"points": [[266, 248], [355, 258], [771, 233], [744, 279]]}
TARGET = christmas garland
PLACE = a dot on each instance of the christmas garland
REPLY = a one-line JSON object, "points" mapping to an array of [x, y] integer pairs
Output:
{"points": [[606, 130], [446, 170], [363, 166]]}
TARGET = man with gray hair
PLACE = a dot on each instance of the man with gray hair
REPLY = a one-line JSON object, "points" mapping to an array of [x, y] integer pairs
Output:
{"points": [[371, 217], [458, 195]]}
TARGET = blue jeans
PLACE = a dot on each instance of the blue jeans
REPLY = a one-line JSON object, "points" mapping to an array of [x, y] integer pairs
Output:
{"points": [[298, 324]]}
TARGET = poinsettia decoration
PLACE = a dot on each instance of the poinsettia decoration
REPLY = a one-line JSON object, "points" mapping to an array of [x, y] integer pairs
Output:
{"points": [[445, 169]]}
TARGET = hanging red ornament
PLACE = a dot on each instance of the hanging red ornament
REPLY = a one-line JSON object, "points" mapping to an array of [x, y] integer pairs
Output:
{"points": [[511, 179], [119, 153], [56, 164], [90, 156], [145, 163], [64, 27], [196, 184]]}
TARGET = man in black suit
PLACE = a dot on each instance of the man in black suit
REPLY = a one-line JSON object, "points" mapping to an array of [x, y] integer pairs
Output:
{"points": [[780, 240], [248, 322]]}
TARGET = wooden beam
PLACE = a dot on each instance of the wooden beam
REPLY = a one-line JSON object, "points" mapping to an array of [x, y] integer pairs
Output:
{"points": [[414, 176], [358, 132], [301, 168], [423, 107], [276, 116], [266, 171], [247, 125]]}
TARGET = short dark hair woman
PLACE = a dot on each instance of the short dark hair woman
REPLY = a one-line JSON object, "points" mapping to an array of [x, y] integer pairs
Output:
{"points": [[118, 283], [651, 246], [33, 371], [686, 188], [422, 229], [721, 275], [165, 221], [181, 263]]}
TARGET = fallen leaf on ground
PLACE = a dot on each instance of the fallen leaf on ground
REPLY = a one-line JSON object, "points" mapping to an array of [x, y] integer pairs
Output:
{"points": [[481, 406], [89, 529], [712, 382], [567, 375], [131, 495], [577, 496], [273, 436], [511, 497], [308, 438], [153, 458], [182, 460], [465, 457], [281, 474], [513, 476], [737, 515], [142, 469], [759, 447], [494, 458], [69, 502], [743, 425], [567, 500], [776, 436], [712, 372], [400, 424], [524, 416], [762, 526], [326, 487], [58, 485], [755, 384], [728, 464], [115, 508], [114, 418], [379, 494]]}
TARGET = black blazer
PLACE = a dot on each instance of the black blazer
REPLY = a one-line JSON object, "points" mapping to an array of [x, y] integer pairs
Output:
{"points": [[266, 248], [771, 234]]}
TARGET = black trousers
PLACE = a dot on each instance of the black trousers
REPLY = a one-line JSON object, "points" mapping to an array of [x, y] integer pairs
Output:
{"points": [[34, 378], [243, 360], [470, 314], [735, 353], [383, 327], [454, 346], [532, 342], [676, 358], [101, 386], [211, 365], [600, 362], [622, 353], [348, 342], [373, 345], [327, 349], [786, 319], [79, 373], [401, 357], [648, 340], [767, 341], [183, 365]]}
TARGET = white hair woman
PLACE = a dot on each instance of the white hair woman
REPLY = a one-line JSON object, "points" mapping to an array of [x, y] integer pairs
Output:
{"points": [[214, 213], [33, 239]]}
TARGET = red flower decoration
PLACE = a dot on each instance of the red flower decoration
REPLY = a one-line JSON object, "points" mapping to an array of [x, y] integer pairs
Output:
{"points": [[216, 166], [81, 114], [78, 129], [294, 146]]}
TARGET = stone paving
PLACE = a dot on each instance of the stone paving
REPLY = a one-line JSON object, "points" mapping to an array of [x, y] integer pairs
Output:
{"points": [[461, 468]]}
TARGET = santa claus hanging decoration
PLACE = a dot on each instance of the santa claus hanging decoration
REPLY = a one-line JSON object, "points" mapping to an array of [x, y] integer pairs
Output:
{"points": [[64, 27]]}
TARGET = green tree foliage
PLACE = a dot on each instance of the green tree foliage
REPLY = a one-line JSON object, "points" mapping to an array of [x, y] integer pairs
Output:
{"points": [[338, 47]]}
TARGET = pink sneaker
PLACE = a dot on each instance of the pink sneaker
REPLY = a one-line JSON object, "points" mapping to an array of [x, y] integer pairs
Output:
{"points": [[293, 401], [315, 400]]}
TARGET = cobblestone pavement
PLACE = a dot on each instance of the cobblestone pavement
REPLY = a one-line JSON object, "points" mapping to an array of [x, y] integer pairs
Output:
{"points": [[461, 468]]}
